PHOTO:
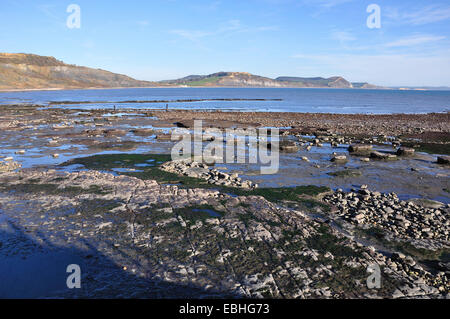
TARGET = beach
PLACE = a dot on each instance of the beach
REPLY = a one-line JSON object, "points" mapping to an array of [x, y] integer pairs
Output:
{"points": [[106, 177]]}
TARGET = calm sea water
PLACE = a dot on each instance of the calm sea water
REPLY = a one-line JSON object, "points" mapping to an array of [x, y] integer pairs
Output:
{"points": [[292, 100]]}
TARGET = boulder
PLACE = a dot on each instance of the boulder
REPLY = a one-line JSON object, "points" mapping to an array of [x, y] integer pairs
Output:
{"points": [[383, 156], [9, 166], [405, 151], [196, 172], [164, 137], [204, 138], [114, 132], [339, 159], [443, 160], [397, 256], [143, 132], [96, 132], [185, 124], [427, 203], [360, 218], [360, 148], [288, 147]]}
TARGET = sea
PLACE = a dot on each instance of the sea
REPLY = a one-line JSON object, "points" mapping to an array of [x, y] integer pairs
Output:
{"points": [[306, 100]]}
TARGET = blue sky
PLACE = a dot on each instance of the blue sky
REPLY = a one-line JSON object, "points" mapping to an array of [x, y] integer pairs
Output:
{"points": [[164, 39]]}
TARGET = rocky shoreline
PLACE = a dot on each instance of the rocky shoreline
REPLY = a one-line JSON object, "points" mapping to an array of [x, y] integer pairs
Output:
{"points": [[345, 124], [101, 183], [242, 246]]}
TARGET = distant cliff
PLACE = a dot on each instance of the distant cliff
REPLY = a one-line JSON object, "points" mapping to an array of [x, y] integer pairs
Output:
{"points": [[243, 79], [30, 71]]}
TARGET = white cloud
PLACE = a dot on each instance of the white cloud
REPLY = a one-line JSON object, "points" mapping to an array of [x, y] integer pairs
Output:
{"points": [[212, 6], [191, 34], [143, 23], [268, 28], [327, 4], [426, 15], [343, 36], [51, 12], [414, 40], [230, 27]]}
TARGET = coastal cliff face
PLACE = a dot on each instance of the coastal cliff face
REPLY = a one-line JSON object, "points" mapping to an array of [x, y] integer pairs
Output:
{"points": [[243, 79], [29, 71]]}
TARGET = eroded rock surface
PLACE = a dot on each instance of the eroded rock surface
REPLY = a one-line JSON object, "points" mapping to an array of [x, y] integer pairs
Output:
{"points": [[165, 241]]}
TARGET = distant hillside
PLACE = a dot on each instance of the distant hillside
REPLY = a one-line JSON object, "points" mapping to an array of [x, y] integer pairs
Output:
{"points": [[365, 85], [242, 79], [227, 79], [333, 82], [29, 71]]}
